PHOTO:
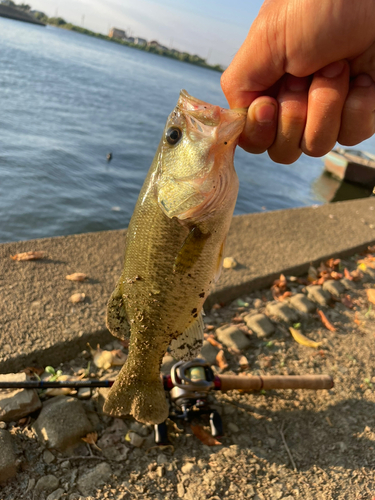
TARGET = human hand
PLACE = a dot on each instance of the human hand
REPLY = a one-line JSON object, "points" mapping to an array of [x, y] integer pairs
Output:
{"points": [[307, 71]]}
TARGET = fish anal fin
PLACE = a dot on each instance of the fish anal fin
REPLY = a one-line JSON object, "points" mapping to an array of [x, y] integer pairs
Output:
{"points": [[190, 250], [117, 322], [188, 345]]}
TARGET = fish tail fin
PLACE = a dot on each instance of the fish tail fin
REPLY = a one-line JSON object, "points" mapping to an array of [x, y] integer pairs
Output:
{"points": [[143, 398]]}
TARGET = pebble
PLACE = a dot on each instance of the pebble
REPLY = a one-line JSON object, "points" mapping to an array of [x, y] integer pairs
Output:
{"points": [[160, 471], [180, 490], [8, 466], [233, 427], [318, 295], [348, 284], [189, 468], [229, 263], [47, 483], [258, 303], [135, 439], [334, 287], [48, 457], [3, 425], [302, 303], [100, 474], [162, 459], [18, 403], [62, 422], [232, 336], [260, 325], [56, 495], [282, 312], [84, 393], [209, 352]]}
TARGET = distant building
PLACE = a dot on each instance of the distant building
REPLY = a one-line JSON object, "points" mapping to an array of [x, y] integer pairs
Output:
{"points": [[116, 33], [129, 39], [153, 43], [140, 41]]}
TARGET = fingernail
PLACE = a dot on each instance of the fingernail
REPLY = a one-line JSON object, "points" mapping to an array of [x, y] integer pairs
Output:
{"points": [[363, 81], [296, 84], [265, 113], [333, 69]]}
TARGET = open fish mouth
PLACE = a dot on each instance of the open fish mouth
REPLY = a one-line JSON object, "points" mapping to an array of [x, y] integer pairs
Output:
{"points": [[205, 118]]}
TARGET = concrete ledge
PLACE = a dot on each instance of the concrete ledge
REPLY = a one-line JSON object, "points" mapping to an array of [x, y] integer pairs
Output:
{"points": [[38, 324]]}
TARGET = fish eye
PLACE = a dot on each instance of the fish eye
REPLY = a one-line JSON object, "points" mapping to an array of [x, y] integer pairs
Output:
{"points": [[173, 135]]}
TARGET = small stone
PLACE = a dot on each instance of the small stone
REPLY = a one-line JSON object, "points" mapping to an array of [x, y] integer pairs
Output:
{"points": [[229, 263], [180, 490], [62, 423], [96, 476], [258, 303], [31, 484], [318, 295], [209, 352], [189, 468], [334, 287], [56, 495], [260, 325], [160, 471], [282, 312], [140, 429], [302, 303], [8, 466], [135, 439], [17, 403], [47, 483], [233, 427], [84, 393], [232, 336], [162, 459], [48, 457], [65, 464], [167, 363], [3, 425]]}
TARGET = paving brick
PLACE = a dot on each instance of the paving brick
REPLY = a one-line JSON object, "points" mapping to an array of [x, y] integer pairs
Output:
{"points": [[16, 404], [334, 287], [209, 352], [260, 325], [302, 303], [318, 295], [232, 336], [282, 312]]}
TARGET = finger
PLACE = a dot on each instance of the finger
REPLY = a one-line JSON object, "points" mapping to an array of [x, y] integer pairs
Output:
{"points": [[292, 114], [327, 95], [260, 128], [358, 115]]}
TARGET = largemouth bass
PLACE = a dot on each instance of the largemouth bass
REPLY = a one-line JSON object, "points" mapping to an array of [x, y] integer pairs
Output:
{"points": [[174, 251]]}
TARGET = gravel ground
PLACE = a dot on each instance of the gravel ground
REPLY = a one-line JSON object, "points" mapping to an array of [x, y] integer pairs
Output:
{"points": [[277, 445]]}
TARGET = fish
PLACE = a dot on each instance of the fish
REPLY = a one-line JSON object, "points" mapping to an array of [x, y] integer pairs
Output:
{"points": [[174, 249]]}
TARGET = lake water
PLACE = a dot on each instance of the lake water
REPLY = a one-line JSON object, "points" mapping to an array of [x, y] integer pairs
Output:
{"points": [[66, 100]]}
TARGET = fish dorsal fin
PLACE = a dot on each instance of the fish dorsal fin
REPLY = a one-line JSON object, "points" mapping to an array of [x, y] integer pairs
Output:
{"points": [[117, 321], [188, 345]]}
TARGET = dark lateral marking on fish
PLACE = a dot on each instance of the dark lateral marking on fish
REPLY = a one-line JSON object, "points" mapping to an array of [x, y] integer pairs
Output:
{"points": [[194, 310], [190, 250], [202, 294], [225, 143]]}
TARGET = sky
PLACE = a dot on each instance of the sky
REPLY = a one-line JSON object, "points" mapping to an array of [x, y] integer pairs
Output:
{"points": [[213, 29]]}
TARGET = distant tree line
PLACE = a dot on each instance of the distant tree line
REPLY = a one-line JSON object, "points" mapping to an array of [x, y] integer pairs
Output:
{"points": [[61, 23]]}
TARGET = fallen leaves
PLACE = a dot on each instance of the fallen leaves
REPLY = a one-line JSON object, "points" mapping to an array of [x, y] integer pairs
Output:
{"points": [[301, 339], [347, 301], [91, 438], [326, 271], [371, 295], [76, 277], [77, 297], [105, 359], [221, 361], [28, 256], [279, 289], [211, 339], [204, 436], [325, 321]]}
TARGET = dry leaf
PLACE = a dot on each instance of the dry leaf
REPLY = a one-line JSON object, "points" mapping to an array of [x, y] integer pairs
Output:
{"points": [[118, 357], [203, 436], [214, 342], [91, 438], [312, 274], [356, 320], [285, 295], [325, 321], [77, 297], [103, 359], [28, 256], [33, 370], [356, 275], [347, 275], [76, 277], [371, 295], [221, 361], [336, 276], [301, 339], [347, 301]]}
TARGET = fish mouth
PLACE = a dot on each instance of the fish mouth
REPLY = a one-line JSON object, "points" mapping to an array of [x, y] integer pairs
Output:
{"points": [[228, 123]]}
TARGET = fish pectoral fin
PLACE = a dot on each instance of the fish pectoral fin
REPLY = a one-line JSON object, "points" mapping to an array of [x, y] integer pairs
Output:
{"points": [[188, 345], [190, 250], [219, 262], [117, 321]]}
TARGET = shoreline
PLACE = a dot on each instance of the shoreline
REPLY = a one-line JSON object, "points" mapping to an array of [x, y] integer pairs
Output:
{"points": [[44, 327]]}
